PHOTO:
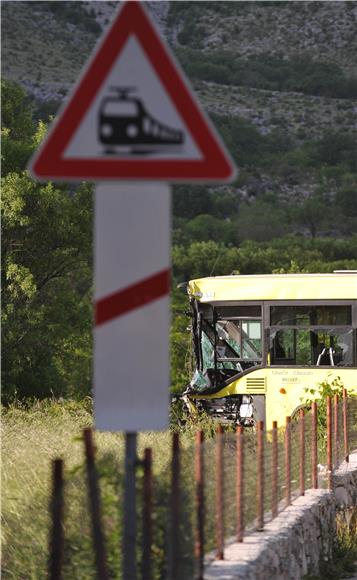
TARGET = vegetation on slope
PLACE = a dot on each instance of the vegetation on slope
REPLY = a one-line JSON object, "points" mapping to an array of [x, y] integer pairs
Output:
{"points": [[270, 72]]}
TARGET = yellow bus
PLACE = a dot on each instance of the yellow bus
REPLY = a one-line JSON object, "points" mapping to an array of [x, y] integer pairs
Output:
{"points": [[261, 340]]}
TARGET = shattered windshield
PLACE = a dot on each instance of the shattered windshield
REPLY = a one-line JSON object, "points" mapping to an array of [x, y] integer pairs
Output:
{"points": [[208, 355], [227, 342], [230, 344]]}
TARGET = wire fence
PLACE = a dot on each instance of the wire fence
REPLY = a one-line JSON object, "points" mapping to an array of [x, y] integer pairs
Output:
{"points": [[213, 492]]}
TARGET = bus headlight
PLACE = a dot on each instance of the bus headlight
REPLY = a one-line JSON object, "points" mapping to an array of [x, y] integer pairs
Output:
{"points": [[246, 410]]}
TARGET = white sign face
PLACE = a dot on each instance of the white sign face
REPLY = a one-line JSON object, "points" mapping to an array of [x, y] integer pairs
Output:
{"points": [[132, 255], [132, 114]]}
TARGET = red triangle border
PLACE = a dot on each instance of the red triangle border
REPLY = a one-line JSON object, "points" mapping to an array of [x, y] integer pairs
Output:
{"points": [[216, 164]]}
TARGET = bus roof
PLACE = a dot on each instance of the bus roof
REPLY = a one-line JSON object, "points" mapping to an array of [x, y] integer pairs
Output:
{"points": [[337, 286]]}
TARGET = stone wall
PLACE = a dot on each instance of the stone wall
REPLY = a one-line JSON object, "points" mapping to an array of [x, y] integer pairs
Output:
{"points": [[295, 543]]}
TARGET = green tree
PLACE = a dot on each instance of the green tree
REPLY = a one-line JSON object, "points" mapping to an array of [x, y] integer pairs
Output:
{"points": [[314, 213], [46, 274], [204, 227], [337, 147], [262, 221], [180, 341], [46, 288], [190, 201], [17, 127]]}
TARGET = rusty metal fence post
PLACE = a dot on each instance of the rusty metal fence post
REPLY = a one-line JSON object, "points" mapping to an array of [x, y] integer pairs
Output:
{"points": [[240, 482], [336, 431], [302, 452], [147, 515], [56, 539], [94, 502], [174, 545], [219, 494], [288, 461], [329, 440], [345, 426], [199, 478], [260, 475], [314, 480], [274, 470]]}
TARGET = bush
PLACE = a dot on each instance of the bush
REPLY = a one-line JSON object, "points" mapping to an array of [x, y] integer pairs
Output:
{"points": [[263, 71], [320, 393]]}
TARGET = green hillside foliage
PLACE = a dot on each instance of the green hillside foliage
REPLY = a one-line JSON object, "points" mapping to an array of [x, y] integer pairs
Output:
{"points": [[47, 243], [269, 72], [276, 151]]}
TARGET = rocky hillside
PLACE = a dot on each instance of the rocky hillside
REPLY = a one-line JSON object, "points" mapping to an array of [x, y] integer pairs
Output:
{"points": [[278, 78], [45, 44]]}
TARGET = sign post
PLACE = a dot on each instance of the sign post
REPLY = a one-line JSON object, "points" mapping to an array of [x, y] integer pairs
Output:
{"points": [[132, 118], [129, 535]]}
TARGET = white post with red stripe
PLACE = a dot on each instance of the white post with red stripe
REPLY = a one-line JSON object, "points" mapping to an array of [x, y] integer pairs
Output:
{"points": [[132, 261]]}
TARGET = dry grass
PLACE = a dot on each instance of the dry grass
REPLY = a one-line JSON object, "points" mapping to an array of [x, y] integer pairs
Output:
{"points": [[32, 437]]}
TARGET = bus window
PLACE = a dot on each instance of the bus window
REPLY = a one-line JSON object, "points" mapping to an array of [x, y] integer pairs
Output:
{"points": [[335, 346], [330, 315], [251, 339], [230, 334], [283, 347], [311, 347], [291, 347], [242, 336]]}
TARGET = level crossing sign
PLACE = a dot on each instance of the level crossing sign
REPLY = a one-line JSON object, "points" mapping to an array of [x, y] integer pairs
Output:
{"points": [[133, 115], [132, 124]]}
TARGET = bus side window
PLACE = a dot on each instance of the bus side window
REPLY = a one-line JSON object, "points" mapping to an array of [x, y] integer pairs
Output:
{"points": [[283, 347]]}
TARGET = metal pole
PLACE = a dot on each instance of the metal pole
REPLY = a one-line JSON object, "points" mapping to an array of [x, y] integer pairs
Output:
{"points": [[274, 469], [94, 501], [129, 537], [345, 426], [240, 483], [314, 480], [288, 461], [302, 452], [260, 475], [174, 544], [147, 515], [57, 539], [219, 494], [329, 440], [336, 435], [199, 477]]}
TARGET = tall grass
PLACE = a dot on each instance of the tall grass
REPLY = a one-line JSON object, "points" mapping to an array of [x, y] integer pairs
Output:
{"points": [[35, 434]]}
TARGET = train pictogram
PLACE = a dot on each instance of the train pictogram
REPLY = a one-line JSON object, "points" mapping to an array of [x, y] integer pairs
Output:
{"points": [[125, 126]]}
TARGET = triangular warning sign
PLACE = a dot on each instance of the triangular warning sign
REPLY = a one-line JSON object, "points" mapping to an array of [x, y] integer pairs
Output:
{"points": [[132, 115]]}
